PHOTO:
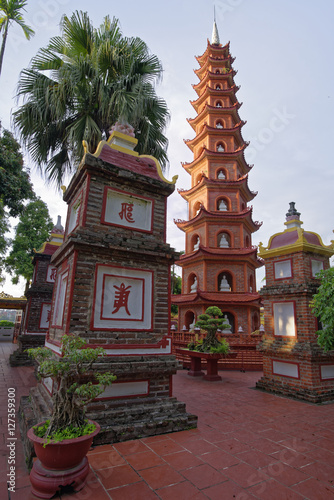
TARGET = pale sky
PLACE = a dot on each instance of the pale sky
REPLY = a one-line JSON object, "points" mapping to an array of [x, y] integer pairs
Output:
{"points": [[283, 53]]}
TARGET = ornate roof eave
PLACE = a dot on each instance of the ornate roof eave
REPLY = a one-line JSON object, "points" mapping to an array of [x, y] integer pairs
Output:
{"points": [[218, 61], [235, 131], [242, 182], [213, 48], [205, 253], [210, 91], [229, 75], [213, 110], [240, 157], [231, 298], [203, 213]]}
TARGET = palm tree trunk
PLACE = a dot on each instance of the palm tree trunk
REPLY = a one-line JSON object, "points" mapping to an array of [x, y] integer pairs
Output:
{"points": [[3, 45]]}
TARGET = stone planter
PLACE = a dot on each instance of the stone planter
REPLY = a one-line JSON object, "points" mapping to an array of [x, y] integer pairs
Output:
{"points": [[211, 363]]}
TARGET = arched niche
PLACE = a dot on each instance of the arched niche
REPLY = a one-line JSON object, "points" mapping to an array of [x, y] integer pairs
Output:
{"points": [[195, 242], [190, 320], [255, 321], [192, 283], [225, 282], [229, 320], [223, 240], [247, 241], [196, 208], [223, 204], [219, 124], [218, 104], [221, 174], [198, 178], [218, 86], [251, 285], [220, 147]]}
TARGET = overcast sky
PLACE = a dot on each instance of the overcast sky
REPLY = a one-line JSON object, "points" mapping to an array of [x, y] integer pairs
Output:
{"points": [[283, 53]]}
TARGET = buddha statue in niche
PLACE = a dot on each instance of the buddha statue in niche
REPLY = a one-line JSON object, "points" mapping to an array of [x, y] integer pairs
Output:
{"points": [[223, 242], [193, 287], [224, 285], [197, 243], [222, 206], [227, 325]]}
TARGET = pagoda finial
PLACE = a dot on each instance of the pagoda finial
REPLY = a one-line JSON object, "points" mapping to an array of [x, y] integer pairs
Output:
{"points": [[215, 34]]}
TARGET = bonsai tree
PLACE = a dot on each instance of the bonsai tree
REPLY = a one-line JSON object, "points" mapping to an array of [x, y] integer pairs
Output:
{"points": [[323, 308], [71, 398], [211, 321]]}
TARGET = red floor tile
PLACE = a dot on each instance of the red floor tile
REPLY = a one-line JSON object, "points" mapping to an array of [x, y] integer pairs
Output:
{"points": [[312, 489], [227, 490], [105, 459], [137, 491], [233, 446], [321, 471], [245, 475], [182, 460], [144, 460], [117, 476], [130, 447], [273, 490], [285, 474], [219, 459], [204, 476], [158, 477], [165, 447], [256, 458], [184, 491], [199, 446]]}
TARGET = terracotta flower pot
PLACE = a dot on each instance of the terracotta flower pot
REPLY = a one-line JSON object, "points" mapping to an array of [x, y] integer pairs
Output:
{"points": [[60, 464]]}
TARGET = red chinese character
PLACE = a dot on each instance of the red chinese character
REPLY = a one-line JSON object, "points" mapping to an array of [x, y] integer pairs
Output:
{"points": [[48, 316], [121, 298], [126, 212], [53, 274]]}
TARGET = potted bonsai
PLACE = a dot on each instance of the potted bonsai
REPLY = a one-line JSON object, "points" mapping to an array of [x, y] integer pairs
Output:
{"points": [[62, 442], [210, 348], [210, 321]]}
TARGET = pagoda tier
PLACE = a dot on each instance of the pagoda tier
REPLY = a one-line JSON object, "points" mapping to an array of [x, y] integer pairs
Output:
{"points": [[225, 78], [208, 158], [214, 183], [219, 264], [244, 218]]}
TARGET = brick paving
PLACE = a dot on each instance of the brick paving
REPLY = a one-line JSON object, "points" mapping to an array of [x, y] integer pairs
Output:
{"points": [[248, 445]]}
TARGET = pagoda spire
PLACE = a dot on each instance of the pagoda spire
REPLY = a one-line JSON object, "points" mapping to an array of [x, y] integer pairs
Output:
{"points": [[215, 35]]}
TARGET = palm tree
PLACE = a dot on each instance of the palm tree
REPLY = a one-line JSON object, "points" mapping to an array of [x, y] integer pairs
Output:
{"points": [[81, 84], [10, 13]]}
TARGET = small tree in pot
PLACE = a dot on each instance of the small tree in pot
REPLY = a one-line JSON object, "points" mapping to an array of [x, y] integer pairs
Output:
{"points": [[71, 398], [211, 321], [67, 426]]}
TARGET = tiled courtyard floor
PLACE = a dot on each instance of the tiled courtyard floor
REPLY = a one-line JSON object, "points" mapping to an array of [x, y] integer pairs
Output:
{"points": [[248, 445]]}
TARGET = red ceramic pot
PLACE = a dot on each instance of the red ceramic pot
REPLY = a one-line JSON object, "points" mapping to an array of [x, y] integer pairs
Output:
{"points": [[64, 454]]}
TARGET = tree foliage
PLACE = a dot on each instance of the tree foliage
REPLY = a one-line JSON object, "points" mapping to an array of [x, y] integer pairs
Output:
{"points": [[72, 397], [31, 232], [81, 84], [10, 12], [15, 187], [211, 321], [323, 308]]}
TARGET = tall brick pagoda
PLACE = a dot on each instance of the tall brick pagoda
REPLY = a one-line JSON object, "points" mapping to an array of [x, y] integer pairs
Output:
{"points": [[219, 263], [293, 363]]}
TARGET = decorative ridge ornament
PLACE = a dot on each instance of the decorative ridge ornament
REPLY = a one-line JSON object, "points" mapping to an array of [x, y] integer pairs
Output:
{"points": [[122, 139]]}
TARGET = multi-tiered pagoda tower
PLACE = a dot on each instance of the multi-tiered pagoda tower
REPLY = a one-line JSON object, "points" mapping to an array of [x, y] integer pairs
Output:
{"points": [[218, 267]]}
